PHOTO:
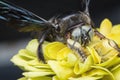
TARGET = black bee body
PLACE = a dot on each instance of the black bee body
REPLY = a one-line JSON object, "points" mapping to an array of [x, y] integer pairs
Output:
{"points": [[66, 24]]}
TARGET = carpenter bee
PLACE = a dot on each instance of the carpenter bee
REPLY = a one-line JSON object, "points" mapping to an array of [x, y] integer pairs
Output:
{"points": [[77, 26]]}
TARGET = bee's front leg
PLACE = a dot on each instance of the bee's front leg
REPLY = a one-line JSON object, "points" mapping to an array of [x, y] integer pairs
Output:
{"points": [[75, 46], [101, 36]]}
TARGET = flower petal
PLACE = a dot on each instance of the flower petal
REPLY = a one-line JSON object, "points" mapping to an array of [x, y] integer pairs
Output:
{"points": [[110, 76], [51, 49], [105, 27], [63, 53], [116, 72], [69, 61], [116, 29], [62, 72], [95, 56], [32, 46], [84, 78], [40, 78], [115, 37], [37, 74], [111, 62], [83, 67]]}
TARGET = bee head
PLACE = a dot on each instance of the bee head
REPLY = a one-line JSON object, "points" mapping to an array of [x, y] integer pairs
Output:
{"points": [[82, 34]]}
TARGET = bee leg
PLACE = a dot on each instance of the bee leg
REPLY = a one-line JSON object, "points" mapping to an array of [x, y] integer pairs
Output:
{"points": [[41, 39], [112, 43], [101, 36], [39, 50], [74, 45], [82, 54]]}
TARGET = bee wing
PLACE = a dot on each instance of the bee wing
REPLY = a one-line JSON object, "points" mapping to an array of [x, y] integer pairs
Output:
{"points": [[20, 19]]}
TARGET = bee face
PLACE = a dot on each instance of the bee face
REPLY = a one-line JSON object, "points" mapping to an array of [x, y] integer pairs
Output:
{"points": [[83, 34]]}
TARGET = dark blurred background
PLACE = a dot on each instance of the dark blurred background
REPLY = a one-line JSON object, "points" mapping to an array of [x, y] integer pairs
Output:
{"points": [[11, 41]]}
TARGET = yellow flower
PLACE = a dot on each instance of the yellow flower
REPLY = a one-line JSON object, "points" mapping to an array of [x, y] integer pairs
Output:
{"points": [[102, 62]]}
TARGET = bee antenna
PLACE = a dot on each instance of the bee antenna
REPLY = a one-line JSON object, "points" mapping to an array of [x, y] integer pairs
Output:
{"points": [[85, 4]]}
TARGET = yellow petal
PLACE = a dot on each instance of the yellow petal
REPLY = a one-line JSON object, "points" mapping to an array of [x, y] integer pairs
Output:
{"points": [[55, 78], [51, 49], [23, 78], [96, 73], [83, 67], [106, 45], [116, 29], [63, 53], [105, 27], [110, 62], [110, 76], [114, 37], [116, 72], [69, 61], [95, 56], [84, 78], [37, 74], [32, 46], [45, 66], [26, 54], [35, 69], [35, 62], [40, 78], [17, 60], [62, 72]]}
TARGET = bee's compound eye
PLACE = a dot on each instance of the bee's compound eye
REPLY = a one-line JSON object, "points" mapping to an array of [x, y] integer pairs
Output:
{"points": [[88, 31], [76, 34]]}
